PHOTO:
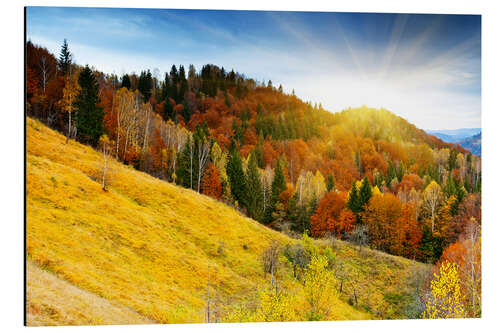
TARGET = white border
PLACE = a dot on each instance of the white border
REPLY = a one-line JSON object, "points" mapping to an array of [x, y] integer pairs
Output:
{"points": [[11, 80]]}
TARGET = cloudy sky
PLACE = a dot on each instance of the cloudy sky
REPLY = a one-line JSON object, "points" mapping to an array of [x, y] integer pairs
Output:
{"points": [[425, 68]]}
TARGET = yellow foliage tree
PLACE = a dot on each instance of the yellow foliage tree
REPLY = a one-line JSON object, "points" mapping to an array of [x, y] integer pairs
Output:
{"points": [[445, 299], [319, 288]]}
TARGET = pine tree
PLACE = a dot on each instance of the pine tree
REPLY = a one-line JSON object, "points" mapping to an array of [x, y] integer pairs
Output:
{"points": [[353, 202], [126, 81], [255, 198], [237, 179], [277, 187], [185, 166], [279, 182], [365, 193], [145, 85], [65, 58], [89, 115], [330, 182]]}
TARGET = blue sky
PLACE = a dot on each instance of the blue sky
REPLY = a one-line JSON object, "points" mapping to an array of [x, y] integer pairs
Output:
{"points": [[425, 68]]}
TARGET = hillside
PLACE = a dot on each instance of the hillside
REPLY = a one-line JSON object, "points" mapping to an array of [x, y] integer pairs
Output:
{"points": [[472, 143], [455, 135], [53, 301], [149, 246]]}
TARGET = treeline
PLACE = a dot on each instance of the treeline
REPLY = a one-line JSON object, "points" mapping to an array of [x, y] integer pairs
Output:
{"points": [[364, 175]]}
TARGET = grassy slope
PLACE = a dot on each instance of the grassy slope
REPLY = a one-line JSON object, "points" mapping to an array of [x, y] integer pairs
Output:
{"points": [[53, 301], [148, 245]]}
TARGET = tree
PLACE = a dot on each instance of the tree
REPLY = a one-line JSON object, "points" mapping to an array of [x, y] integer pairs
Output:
{"points": [[380, 216], [359, 235], [255, 198], [330, 182], [431, 199], [365, 193], [298, 257], [319, 287], [126, 81], [211, 184], [445, 298], [70, 91], [237, 179], [65, 59], [105, 147], [353, 202], [330, 216], [270, 261], [145, 85], [278, 185], [89, 115]]}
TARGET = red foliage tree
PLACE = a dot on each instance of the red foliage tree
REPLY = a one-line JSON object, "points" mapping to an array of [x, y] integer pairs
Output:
{"points": [[211, 184], [331, 216]]}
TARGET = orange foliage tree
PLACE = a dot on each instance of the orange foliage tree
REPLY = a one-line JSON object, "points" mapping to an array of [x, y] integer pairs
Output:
{"points": [[211, 184], [332, 216]]}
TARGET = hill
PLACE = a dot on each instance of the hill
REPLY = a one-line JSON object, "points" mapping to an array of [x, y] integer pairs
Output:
{"points": [[53, 301], [472, 143], [456, 135], [156, 248]]}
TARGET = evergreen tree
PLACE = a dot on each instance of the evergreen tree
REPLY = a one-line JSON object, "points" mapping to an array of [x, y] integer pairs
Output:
{"points": [[145, 85], [255, 197], [330, 182], [277, 187], [279, 182], [89, 115], [185, 166], [237, 179], [168, 110], [365, 193], [65, 58], [126, 81], [354, 202]]}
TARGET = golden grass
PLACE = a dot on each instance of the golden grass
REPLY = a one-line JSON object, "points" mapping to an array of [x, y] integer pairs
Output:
{"points": [[146, 244], [52, 301]]}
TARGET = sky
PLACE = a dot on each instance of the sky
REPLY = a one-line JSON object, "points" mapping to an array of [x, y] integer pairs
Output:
{"points": [[424, 68]]}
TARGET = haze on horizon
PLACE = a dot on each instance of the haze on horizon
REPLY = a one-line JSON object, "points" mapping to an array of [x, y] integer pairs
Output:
{"points": [[425, 68]]}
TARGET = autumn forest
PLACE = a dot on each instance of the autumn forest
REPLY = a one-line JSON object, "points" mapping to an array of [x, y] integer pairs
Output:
{"points": [[335, 190]]}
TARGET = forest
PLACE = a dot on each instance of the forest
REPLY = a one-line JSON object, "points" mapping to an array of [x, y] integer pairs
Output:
{"points": [[363, 175]]}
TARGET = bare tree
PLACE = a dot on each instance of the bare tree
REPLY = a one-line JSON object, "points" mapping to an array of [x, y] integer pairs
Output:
{"points": [[105, 147], [359, 236], [203, 155], [270, 261]]}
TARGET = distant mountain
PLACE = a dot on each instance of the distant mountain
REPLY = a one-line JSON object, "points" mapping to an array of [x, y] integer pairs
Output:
{"points": [[472, 143], [455, 135]]}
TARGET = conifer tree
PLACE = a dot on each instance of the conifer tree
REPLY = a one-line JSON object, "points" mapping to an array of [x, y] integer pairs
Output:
{"points": [[65, 58], [277, 187], [365, 193], [353, 202], [185, 166], [145, 84], [89, 115], [279, 182], [237, 179], [255, 196], [126, 81], [330, 182]]}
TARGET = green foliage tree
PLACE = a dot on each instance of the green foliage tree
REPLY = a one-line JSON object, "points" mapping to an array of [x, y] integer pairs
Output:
{"points": [[126, 81], [330, 182], [65, 58], [237, 179], [353, 203], [255, 197], [145, 84], [89, 115], [277, 187], [365, 193]]}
